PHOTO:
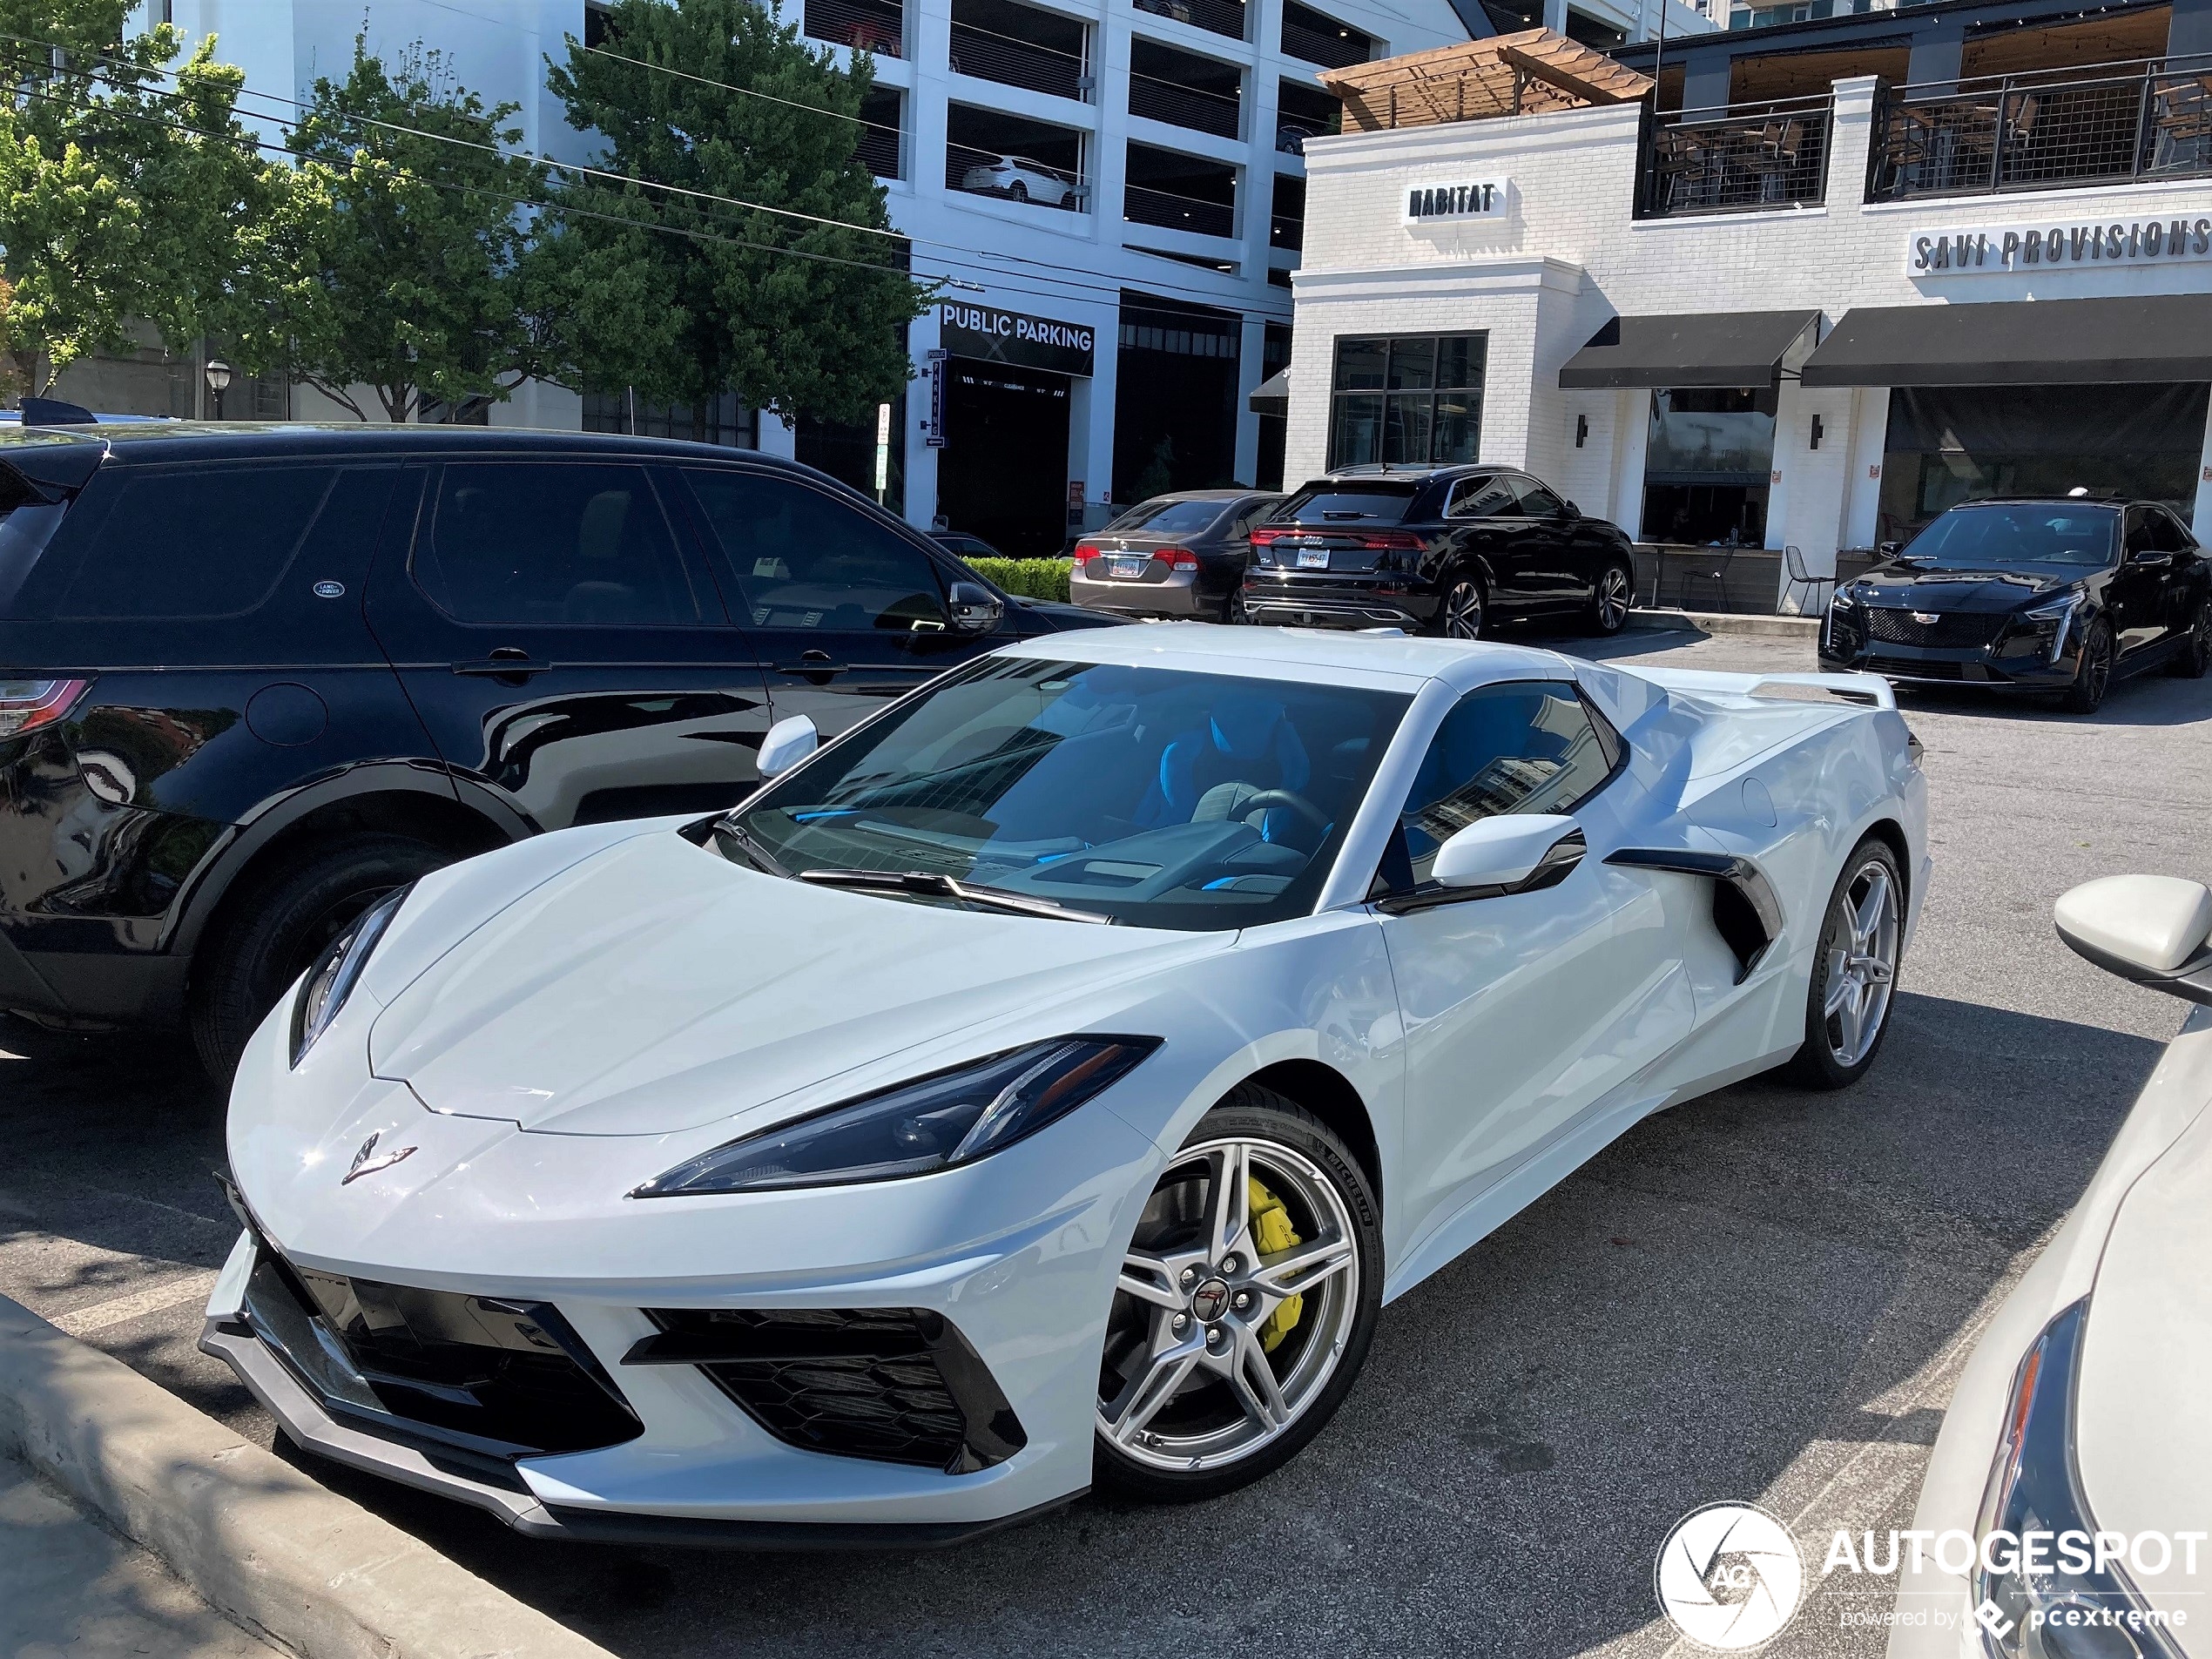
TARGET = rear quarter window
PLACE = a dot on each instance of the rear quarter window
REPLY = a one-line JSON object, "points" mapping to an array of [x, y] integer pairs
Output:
{"points": [[187, 546]]}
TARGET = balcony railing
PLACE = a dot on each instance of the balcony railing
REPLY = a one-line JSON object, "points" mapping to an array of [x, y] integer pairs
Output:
{"points": [[1221, 17], [1017, 178], [994, 56], [1142, 205], [876, 26], [2043, 132], [1732, 160]]}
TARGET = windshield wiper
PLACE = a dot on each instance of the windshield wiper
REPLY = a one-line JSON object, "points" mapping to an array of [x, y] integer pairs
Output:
{"points": [[946, 886], [746, 843]]}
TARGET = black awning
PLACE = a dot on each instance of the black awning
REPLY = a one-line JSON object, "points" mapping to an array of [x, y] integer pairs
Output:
{"points": [[1272, 395], [1715, 348], [2160, 337]]}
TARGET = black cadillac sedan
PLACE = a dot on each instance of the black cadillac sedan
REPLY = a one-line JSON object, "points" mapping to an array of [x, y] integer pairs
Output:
{"points": [[2062, 595], [1450, 550]]}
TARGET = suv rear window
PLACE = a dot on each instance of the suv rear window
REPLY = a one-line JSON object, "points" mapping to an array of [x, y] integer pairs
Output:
{"points": [[1376, 503], [192, 546]]}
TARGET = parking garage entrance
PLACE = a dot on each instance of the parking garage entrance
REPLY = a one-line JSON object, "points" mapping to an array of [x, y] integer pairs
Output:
{"points": [[1008, 383]]}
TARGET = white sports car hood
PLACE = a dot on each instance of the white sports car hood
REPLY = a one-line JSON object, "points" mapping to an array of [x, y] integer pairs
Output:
{"points": [[656, 987]]}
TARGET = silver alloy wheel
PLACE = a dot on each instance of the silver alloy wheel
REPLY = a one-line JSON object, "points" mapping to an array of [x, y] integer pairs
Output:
{"points": [[1463, 609], [1194, 1387], [1612, 599], [1862, 962]]}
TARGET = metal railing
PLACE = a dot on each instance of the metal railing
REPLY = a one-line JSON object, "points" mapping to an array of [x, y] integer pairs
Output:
{"points": [[1734, 159], [1287, 230], [1017, 179], [993, 57], [2145, 120], [1142, 204], [1218, 16], [1331, 49], [1156, 99], [874, 26]]}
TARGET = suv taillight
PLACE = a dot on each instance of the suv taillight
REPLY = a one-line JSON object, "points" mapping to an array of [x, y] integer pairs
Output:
{"points": [[1401, 541], [26, 705]]}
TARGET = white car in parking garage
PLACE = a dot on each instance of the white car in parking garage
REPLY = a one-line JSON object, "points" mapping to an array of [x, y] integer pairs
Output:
{"points": [[2081, 1417], [1046, 1082]]}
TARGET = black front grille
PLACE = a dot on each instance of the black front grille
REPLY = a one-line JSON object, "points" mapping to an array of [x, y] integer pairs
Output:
{"points": [[509, 1378], [895, 1384], [1945, 629], [1914, 668]]}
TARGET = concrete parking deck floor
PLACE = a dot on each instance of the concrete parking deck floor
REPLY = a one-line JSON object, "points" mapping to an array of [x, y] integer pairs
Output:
{"points": [[1761, 1295]]}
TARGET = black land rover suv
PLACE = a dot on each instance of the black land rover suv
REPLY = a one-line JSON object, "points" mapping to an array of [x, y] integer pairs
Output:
{"points": [[253, 677]]}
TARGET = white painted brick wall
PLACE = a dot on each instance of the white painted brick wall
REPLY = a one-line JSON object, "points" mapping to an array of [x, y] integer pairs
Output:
{"points": [[1567, 254]]}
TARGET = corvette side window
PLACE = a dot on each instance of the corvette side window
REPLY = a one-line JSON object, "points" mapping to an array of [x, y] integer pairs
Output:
{"points": [[1528, 746]]}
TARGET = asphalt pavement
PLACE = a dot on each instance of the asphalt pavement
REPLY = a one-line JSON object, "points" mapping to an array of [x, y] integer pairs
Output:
{"points": [[1762, 1295]]}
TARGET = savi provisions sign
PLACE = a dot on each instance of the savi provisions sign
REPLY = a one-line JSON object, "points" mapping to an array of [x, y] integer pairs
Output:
{"points": [[2033, 247], [1439, 201]]}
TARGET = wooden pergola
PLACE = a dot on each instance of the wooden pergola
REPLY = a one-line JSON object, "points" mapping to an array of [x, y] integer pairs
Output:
{"points": [[1529, 73]]}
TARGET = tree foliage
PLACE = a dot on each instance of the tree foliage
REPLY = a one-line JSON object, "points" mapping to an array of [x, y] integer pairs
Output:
{"points": [[683, 298], [129, 189], [409, 231]]}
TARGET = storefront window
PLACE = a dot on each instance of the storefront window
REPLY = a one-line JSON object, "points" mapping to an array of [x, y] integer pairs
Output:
{"points": [[1949, 444], [1414, 399], [1706, 465]]}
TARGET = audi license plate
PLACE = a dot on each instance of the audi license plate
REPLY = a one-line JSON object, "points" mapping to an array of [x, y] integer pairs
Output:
{"points": [[1313, 559], [1126, 567]]}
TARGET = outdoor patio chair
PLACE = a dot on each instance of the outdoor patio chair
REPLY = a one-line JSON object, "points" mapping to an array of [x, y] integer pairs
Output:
{"points": [[1795, 575], [1714, 572]]}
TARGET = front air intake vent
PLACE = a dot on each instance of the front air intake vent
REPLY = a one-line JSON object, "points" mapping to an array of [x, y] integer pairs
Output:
{"points": [[893, 1385]]}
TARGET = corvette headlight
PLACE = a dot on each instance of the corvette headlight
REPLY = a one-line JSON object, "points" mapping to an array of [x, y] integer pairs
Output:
{"points": [[331, 981], [2056, 1583], [933, 1123]]}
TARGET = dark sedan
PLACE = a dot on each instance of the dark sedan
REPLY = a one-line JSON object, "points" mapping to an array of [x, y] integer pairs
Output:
{"points": [[2063, 594], [1179, 555], [1449, 551]]}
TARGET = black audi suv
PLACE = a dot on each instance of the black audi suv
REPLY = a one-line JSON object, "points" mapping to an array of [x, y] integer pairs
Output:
{"points": [[2063, 595], [1450, 550], [254, 678]]}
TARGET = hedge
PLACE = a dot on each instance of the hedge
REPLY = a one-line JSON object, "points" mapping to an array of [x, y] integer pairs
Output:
{"points": [[1032, 579]]}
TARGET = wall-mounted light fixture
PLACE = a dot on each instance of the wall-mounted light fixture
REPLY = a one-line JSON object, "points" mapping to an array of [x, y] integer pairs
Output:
{"points": [[1816, 433], [1582, 430]]}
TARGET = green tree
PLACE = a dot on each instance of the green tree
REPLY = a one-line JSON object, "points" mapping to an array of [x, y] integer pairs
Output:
{"points": [[683, 298], [408, 231], [129, 189]]}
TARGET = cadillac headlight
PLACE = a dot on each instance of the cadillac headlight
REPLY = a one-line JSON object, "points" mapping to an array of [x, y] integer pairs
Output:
{"points": [[2052, 620], [2057, 1584], [933, 1123], [331, 981]]}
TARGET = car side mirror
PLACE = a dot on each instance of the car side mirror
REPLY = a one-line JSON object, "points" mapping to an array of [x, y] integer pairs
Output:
{"points": [[2151, 929], [976, 610], [1890, 549], [1509, 853], [788, 743], [1573, 511], [2151, 557]]}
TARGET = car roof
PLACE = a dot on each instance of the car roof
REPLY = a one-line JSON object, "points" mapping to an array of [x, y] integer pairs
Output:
{"points": [[129, 441], [2054, 501], [1393, 471], [1238, 494], [1332, 656]]}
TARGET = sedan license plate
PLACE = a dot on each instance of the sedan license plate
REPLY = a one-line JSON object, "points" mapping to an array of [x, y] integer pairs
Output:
{"points": [[1313, 559], [1126, 567]]}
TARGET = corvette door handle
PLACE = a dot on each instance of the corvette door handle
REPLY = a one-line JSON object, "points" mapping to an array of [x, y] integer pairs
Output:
{"points": [[504, 664], [1746, 908]]}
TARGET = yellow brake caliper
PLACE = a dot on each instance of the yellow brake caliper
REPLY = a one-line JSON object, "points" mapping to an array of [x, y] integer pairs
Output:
{"points": [[1272, 1232]]}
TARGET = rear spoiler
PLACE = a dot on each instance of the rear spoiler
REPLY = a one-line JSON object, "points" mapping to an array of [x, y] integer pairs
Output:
{"points": [[1869, 689]]}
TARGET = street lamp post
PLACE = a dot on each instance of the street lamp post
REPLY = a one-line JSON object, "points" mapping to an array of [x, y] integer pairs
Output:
{"points": [[218, 381]]}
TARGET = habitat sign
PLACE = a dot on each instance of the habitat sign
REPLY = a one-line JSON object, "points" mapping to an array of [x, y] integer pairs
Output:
{"points": [[1478, 198], [2023, 247]]}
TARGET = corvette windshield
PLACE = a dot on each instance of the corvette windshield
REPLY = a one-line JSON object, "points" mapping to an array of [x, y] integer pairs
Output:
{"points": [[2004, 537], [1155, 797]]}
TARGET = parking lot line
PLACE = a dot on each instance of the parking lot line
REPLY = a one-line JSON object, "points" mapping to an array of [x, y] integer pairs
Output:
{"points": [[121, 1310]]}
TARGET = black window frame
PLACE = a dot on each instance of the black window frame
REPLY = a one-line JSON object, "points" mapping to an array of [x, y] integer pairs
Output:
{"points": [[1426, 397]]}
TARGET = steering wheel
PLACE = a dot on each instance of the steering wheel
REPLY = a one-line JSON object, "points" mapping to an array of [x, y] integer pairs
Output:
{"points": [[1298, 804]]}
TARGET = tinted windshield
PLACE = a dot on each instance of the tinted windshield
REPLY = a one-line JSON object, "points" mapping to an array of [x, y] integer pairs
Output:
{"points": [[1346, 504], [1162, 799], [1169, 517], [1999, 536]]}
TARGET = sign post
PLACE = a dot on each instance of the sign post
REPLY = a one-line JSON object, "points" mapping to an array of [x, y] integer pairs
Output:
{"points": [[882, 451]]}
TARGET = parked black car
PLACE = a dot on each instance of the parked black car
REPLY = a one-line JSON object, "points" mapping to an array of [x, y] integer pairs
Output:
{"points": [[1178, 555], [961, 545], [1448, 550], [253, 678], [2061, 595]]}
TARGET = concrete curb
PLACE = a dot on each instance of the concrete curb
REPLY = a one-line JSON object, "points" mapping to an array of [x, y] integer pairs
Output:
{"points": [[1727, 622], [257, 1539]]}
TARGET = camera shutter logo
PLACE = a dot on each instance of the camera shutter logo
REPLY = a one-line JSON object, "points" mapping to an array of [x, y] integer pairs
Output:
{"points": [[1730, 1576]]}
